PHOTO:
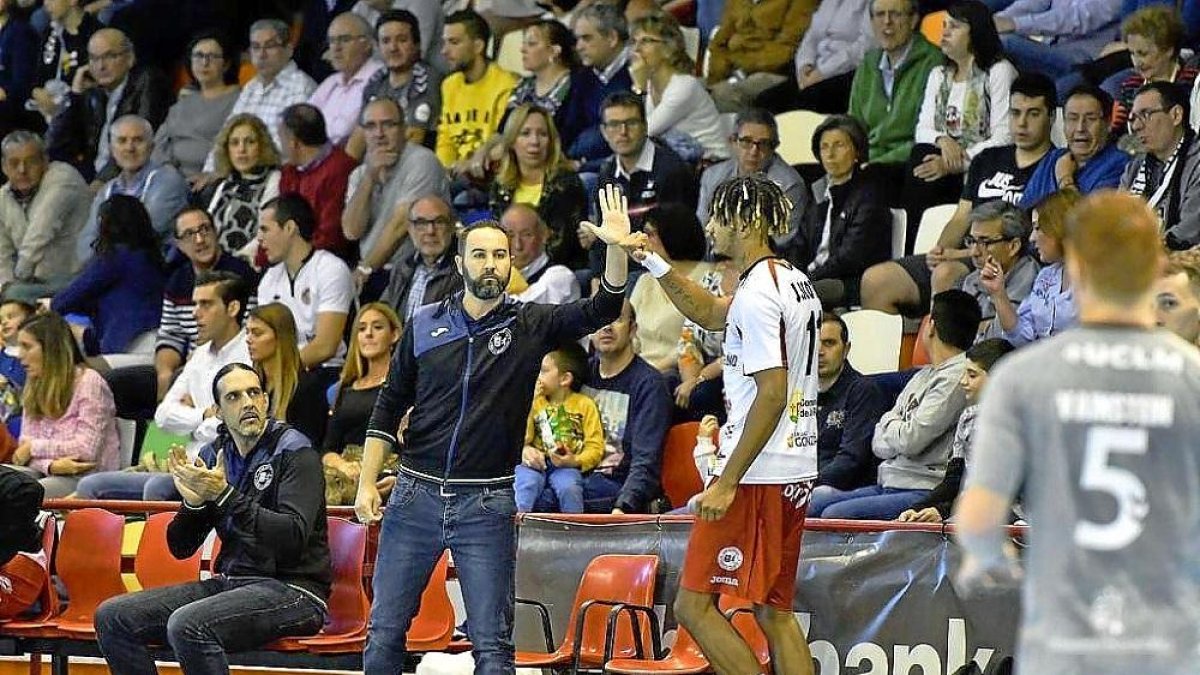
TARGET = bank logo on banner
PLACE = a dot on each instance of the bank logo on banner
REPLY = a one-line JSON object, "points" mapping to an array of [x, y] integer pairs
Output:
{"points": [[730, 558]]}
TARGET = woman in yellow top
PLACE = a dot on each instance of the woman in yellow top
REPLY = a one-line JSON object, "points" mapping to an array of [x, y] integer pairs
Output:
{"points": [[535, 172]]}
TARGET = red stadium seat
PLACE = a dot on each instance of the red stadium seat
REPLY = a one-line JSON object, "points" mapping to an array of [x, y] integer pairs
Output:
{"points": [[679, 477], [89, 565], [348, 603], [608, 580], [433, 625], [920, 355], [154, 565], [686, 657]]}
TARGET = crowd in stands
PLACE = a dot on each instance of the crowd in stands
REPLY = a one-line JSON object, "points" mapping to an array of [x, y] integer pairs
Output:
{"points": [[282, 184]]}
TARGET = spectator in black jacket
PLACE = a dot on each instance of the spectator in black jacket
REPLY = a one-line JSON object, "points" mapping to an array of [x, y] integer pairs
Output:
{"points": [[259, 485], [848, 407], [464, 373], [78, 132], [649, 172], [850, 228], [423, 270]]}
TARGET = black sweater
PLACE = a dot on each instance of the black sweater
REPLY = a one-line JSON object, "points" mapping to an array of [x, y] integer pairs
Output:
{"points": [[271, 518], [470, 383], [860, 232]]}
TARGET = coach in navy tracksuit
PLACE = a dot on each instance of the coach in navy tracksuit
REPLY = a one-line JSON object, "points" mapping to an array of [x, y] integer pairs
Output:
{"points": [[467, 367], [262, 489]]}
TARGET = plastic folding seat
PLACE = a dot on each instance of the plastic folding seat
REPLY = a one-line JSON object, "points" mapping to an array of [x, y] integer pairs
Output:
{"points": [[877, 340], [686, 657], [154, 565], [50, 605], [89, 565], [433, 626], [599, 628], [348, 603], [680, 480], [796, 129]]}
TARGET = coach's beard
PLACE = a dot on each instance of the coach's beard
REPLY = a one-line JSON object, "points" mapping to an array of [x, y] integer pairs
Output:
{"points": [[486, 286]]}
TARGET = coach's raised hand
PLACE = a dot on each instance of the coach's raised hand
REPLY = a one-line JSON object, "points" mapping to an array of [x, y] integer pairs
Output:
{"points": [[614, 216]]}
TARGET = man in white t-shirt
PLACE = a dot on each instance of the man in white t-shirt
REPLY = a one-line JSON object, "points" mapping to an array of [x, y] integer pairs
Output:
{"points": [[315, 285], [746, 539], [318, 288]]}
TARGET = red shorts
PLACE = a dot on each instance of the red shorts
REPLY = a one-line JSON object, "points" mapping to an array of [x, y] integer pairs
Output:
{"points": [[751, 553]]}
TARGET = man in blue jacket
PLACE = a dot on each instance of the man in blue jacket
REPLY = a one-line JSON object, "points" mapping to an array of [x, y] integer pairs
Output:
{"points": [[848, 408], [464, 372], [261, 487]]}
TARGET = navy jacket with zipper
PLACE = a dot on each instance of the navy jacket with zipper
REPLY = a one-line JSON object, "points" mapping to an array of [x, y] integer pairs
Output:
{"points": [[271, 518], [471, 382]]}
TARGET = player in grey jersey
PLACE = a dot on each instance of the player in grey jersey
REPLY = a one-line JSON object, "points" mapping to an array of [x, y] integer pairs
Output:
{"points": [[1097, 427]]}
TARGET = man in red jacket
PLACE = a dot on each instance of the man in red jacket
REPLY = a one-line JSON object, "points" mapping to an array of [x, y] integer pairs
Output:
{"points": [[318, 171]]}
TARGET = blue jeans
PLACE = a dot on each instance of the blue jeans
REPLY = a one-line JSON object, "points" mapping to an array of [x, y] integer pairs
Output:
{"points": [[149, 487], [567, 484], [873, 502], [421, 521], [202, 621], [1053, 60]]}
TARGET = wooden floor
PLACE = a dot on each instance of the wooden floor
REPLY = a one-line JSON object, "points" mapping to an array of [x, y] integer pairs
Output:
{"points": [[81, 666]]}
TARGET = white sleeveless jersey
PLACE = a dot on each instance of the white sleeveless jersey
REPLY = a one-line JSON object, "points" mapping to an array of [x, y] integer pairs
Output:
{"points": [[774, 322]]}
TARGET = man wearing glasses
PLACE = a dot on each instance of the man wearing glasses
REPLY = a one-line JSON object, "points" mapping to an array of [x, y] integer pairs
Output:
{"points": [[427, 274], [278, 82], [107, 88], [754, 142], [340, 96], [1167, 172], [649, 172], [905, 285], [889, 84], [381, 191], [997, 242]]}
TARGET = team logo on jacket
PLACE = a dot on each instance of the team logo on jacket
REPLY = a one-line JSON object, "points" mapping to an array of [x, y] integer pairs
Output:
{"points": [[263, 476], [500, 341], [730, 558]]}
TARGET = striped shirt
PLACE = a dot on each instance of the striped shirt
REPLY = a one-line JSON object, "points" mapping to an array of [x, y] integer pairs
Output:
{"points": [[177, 328]]}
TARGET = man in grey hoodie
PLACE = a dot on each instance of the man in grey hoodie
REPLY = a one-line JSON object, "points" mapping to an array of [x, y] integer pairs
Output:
{"points": [[913, 438]]}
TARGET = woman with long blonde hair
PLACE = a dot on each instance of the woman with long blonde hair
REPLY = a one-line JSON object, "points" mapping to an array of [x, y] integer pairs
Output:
{"points": [[1050, 306], [535, 172], [271, 342], [376, 332], [68, 426]]}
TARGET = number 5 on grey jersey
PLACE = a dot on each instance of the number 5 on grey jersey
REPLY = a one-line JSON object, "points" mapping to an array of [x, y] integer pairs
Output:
{"points": [[1100, 430]]}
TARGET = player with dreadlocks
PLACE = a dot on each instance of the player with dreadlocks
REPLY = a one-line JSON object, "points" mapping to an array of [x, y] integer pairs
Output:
{"points": [[746, 539]]}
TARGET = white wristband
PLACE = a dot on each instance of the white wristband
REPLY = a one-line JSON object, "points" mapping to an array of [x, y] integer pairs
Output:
{"points": [[655, 265]]}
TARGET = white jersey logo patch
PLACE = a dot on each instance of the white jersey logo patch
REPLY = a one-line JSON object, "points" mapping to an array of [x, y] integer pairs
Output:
{"points": [[263, 476], [500, 341], [730, 558]]}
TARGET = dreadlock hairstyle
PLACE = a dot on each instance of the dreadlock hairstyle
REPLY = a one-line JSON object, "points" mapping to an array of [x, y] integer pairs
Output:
{"points": [[752, 202]]}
